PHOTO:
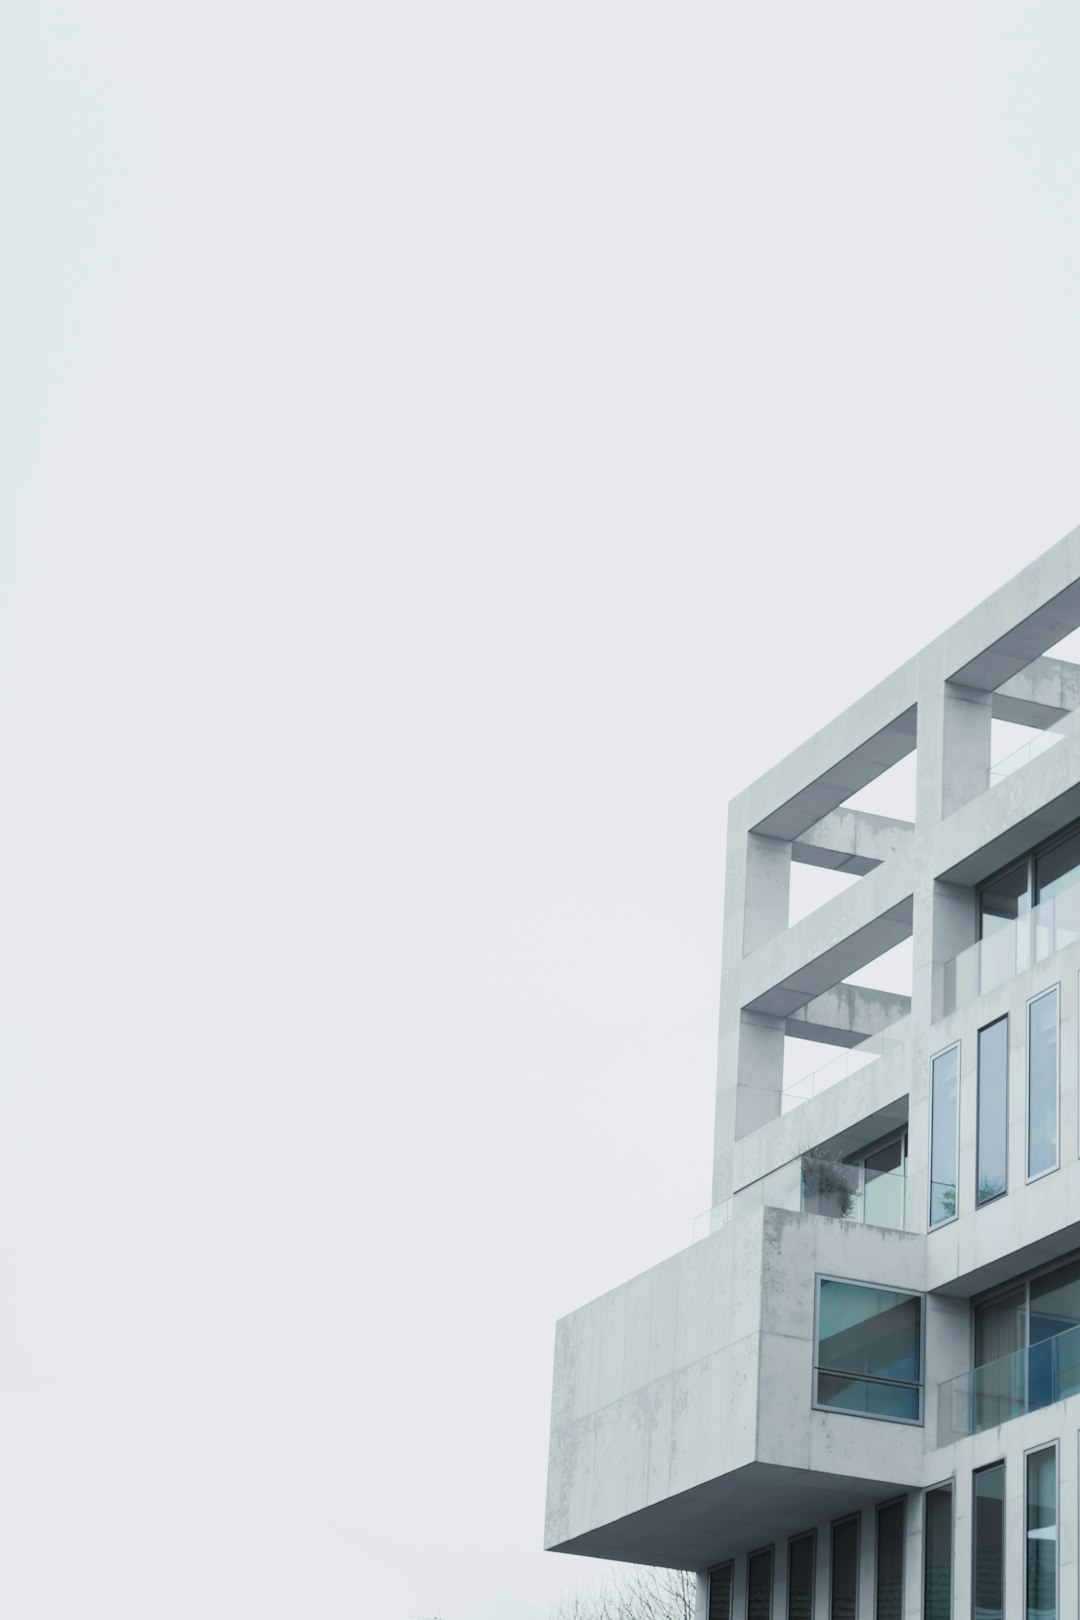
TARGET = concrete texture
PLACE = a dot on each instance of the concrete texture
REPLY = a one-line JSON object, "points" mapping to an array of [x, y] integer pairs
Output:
{"points": [[683, 1425]]}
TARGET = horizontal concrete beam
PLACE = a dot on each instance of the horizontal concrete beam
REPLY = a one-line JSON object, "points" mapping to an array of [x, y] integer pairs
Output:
{"points": [[852, 841], [850, 773], [1022, 642], [833, 942], [1037, 801], [846, 1015], [1043, 693]]}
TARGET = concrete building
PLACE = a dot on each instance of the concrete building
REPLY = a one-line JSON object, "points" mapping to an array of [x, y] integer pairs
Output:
{"points": [[858, 1392]]}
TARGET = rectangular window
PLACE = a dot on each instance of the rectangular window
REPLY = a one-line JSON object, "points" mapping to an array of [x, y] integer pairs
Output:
{"points": [[937, 1552], [992, 1143], [720, 1584], [759, 1585], [944, 1122], [1041, 1535], [889, 1574], [869, 1350], [988, 1543], [844, 1573], [800, 1581], [1043, 1083]]}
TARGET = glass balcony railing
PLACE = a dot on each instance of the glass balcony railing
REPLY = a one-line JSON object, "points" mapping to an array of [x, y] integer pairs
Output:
{"points": [[1012, 762], [812, 1185], [1005, 1389], [838, 1068], [1016, 946]]}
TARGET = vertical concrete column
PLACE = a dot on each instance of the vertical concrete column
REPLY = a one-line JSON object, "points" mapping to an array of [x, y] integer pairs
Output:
{"points": [[965, 766], [701, 1602], [953, 767], [750, 1060], [766, 890], [954, 926], [761, 1071]]}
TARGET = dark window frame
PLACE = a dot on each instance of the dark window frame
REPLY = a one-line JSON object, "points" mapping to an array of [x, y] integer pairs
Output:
{"points": [[759, 1552], [727, 1564], [1035, 1451], [1047, 990], [1030, 858], [932, 1490], [988, 1468], [835, 1525], [872, 1378], [981, 1203], [902, 1503], [811, 1536], [931, 1224]]}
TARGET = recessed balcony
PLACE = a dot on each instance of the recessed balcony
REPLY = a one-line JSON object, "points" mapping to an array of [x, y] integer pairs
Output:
{"points": [[869, 1192], [1008, 1388], [1016, 945]]}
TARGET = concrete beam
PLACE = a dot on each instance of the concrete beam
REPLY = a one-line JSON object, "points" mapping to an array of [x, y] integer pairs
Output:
{"points": [[852, 841], [833, 942], [1022, 643], [1040, 695], [846, 1015], [1034, 803], [892, 743]]}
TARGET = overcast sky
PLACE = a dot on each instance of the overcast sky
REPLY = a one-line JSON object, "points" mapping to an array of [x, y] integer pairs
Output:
{"points": [[449, 450]]}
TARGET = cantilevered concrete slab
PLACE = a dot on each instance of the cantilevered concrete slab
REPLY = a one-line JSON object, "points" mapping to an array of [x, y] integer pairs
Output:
{"points": [[852, 841]]}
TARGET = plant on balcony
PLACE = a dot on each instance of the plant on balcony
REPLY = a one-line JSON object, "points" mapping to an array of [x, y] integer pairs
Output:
{"points": [[829, 1186]]}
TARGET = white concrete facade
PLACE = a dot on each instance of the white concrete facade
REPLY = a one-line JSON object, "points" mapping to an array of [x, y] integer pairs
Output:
{"points": [[689, 1424]]}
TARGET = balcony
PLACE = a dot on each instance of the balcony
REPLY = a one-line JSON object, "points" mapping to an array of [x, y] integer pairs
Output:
{"points": [[1028, 939], [1008, 1388], [816, 1185]]}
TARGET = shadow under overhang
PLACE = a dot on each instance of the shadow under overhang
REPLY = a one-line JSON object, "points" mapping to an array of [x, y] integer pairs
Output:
{"points": [[742, 1509]]}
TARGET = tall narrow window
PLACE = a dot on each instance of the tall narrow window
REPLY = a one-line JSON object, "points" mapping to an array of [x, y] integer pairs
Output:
{"points": [[720, 1583], [889, 1574], [1043, 1083], [800, 1581], [988, 1543], [937, 1543], [1041, 1538], [759, 1585], [944, 1096], [844, 1573], [992, 1151]]}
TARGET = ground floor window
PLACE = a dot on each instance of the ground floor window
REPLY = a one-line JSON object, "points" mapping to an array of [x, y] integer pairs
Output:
{"points": [[800, 1586], [759, 1585], [1041, 1534], [937, 1554], [988, 1543]]}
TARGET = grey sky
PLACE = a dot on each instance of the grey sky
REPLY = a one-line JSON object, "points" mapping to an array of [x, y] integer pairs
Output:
{"points": [[450, 450]]}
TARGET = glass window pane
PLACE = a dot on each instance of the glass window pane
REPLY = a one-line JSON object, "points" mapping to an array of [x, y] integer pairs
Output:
{"points": [[988, 1551], [1001, 1326], [1055, 1302], [937, 1568], [945, 1078], [993, 1134], [867, 1395], [844, 1576], [1058, 869], [1003, 900], [1042, 1535], [759, 1585], [1042, 1083], [889, 1576], [884, 1181], [720, 1583], [800, 1598], [869, 1330]]}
